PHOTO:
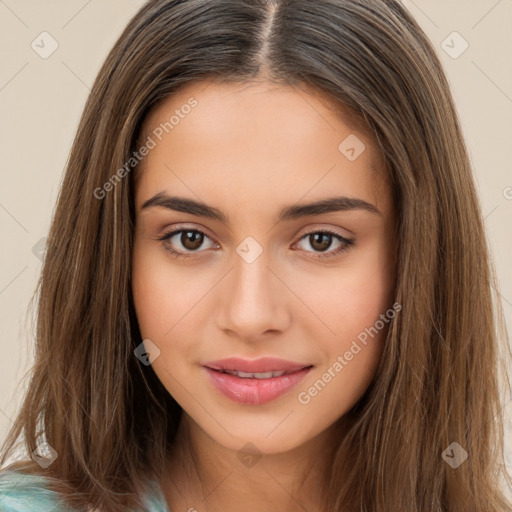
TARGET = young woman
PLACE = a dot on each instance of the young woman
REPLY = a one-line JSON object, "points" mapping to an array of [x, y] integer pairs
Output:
{"points": [[267, 285]]}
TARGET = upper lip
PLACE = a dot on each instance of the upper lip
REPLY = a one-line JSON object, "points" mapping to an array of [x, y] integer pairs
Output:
{"points": [[265, 364]]}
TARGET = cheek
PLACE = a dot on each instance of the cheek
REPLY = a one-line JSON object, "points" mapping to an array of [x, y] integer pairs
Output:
{"points": [[171, 307], [163, 301], [357, 293], [162, 292], [358, 310], [151, 297]]}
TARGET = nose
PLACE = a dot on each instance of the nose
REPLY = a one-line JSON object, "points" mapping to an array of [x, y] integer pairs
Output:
{"points": [[253, 301]]}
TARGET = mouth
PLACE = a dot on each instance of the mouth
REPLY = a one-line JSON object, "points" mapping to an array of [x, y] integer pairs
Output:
{"points": [[255, 382], [256, 375]]}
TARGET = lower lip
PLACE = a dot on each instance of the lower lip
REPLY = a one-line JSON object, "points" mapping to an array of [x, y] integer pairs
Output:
{"points": [[254, 391]]}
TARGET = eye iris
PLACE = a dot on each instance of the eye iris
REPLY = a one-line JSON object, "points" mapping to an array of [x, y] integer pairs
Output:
{"points": [[191, 239], [320, 241]]}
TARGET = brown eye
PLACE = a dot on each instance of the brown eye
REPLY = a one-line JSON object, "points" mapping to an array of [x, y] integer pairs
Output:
{"points": [[321, 241], [184, 242], [191, 240]]}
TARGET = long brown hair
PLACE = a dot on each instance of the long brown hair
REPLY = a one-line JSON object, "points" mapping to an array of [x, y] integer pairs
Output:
{"points": [[108, 416]]}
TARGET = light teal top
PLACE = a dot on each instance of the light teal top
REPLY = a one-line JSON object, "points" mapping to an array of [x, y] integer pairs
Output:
{"points": [[21, 492]]}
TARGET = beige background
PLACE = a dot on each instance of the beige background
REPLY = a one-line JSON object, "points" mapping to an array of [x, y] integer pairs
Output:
{"points": [[41, 101]]}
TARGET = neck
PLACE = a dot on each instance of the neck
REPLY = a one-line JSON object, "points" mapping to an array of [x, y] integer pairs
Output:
{"points": [[203, 475]]}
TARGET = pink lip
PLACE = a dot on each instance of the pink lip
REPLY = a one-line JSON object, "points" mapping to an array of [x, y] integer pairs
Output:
{"points": [[255, 391]]}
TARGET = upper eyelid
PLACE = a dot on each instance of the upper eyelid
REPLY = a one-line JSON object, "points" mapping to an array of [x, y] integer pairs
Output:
{"points": [[174, 231]]}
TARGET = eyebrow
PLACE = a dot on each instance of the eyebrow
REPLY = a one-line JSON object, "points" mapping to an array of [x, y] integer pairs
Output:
{"points": [[292, 212]]}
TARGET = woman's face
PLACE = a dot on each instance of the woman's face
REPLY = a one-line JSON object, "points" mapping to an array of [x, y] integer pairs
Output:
{"points": [[283, 228]]}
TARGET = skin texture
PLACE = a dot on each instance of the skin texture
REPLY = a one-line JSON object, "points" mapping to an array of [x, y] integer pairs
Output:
{"points": [[249, 150]]}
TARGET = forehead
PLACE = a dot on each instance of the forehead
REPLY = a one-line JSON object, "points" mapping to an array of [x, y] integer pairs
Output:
{"points": [[260, 139], [232, 104]]}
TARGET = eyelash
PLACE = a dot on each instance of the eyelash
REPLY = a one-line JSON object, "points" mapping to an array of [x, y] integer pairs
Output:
{"points": [[346, 243]]}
